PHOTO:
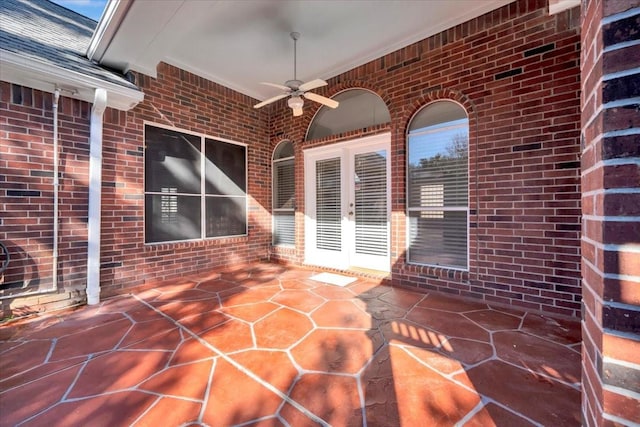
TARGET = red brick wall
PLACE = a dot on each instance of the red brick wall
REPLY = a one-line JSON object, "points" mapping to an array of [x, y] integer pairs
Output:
{"points": [[516, 71], [185, 101], [611, 212], [26, 199], [175, 98]]}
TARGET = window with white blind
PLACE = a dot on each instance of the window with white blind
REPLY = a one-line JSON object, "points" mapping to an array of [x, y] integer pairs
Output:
{"points": [[437, 181], [284, 193], [195, 187], [328, 205], [370, 188]]}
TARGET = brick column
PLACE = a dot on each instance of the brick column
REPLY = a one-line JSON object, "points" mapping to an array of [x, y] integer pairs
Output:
{"points": [[611, 212]]}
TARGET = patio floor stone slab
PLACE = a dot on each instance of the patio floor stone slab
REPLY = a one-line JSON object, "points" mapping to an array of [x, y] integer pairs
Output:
{"points": [[337, 351], [263, 345], [273, 366], [342, 314], [543, 400], [122, 408], [281, 329], [116, 371], [235, 398]]}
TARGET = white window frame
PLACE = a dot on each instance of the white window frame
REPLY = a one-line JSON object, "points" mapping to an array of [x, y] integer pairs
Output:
{"points": [[202, 194], [275, 182], [433, 210]]}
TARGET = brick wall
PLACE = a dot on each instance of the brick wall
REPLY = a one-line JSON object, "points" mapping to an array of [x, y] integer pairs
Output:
{"points": [[185, 101], [611, 212], [26, 199], [175, 98], [516, 71]]}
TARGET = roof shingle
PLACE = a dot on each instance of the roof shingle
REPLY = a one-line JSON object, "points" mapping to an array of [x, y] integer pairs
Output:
{"points": [[49, 33]]}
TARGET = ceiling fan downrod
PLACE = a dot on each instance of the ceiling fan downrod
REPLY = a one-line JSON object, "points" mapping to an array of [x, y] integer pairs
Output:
{"points": [[295, 83]]}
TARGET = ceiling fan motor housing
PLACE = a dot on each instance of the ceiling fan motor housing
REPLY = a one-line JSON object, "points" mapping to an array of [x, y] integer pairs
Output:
{"points": [[293, 84]]}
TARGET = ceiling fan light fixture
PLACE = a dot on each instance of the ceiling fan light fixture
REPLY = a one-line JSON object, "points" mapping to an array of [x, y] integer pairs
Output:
{"points": [[295, 102], [296, 89]]}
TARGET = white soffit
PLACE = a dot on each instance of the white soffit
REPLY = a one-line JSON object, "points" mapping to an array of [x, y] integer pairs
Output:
{"points": [[241, 43]]}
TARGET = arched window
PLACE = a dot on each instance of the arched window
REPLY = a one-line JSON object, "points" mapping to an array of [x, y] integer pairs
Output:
{"points": [[284, 230], [437, 186], [359, 108]]}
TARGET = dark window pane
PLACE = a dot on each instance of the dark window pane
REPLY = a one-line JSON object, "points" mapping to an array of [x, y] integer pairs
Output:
{"points": [[171, 217], [438, 238], [359, 108], [283, 151], [172, 161], [437, 113], [225, 168], [226, 216]]}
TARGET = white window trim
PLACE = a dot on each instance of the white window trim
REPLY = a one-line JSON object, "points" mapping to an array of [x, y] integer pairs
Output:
{"points": [[418, 209], [273, 197], [203, 137]]}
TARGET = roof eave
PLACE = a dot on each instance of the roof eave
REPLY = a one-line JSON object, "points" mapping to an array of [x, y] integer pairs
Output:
{"points": [[113, 15], [18, 69]]}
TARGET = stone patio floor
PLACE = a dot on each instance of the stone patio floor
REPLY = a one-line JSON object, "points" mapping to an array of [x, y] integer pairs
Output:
{"points": [[267, 346]]}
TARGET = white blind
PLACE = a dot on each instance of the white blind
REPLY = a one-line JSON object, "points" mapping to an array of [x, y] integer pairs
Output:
{"points": [[371, 203], [438, 241], [284, 228], [284, 184], [328, 209], [284, 202], [438, 190]]}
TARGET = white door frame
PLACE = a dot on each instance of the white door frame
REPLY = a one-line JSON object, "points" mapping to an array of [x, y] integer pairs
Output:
{"points": [[345, 151]]}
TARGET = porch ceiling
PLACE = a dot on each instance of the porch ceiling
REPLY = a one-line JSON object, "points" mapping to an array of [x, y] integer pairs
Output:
{"points": [[239, 44]]}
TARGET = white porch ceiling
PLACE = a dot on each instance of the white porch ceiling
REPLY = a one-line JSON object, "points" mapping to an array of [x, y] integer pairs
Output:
{"points": [[241, 43]]}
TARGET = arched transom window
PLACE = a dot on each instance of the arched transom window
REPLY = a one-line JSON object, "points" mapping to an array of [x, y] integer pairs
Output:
{"points": [[359, 108], [437, 186]]}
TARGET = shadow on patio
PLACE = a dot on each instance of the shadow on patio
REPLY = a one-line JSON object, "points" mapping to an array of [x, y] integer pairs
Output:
{"points": [[266, 345]]}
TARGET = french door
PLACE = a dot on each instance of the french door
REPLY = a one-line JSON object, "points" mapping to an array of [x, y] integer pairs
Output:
{"points": [[347, 203]]}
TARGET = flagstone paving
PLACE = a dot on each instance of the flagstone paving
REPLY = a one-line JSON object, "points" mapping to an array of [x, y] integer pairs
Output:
{"points": [[266, 346]]}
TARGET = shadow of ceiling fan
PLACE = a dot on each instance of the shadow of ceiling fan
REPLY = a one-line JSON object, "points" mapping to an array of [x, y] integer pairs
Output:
{"points": [[296, 89]]}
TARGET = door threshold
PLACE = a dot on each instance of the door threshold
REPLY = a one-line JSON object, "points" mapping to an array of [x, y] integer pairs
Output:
{"points": [[355, 271], [370, 272]]}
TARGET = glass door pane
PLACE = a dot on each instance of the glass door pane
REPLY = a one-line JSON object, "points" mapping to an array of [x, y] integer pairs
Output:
{"points": [[370, 213], [328, 205]]}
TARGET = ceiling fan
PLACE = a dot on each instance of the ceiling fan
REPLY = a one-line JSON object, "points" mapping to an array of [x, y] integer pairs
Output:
{"points": [[296, 89]]}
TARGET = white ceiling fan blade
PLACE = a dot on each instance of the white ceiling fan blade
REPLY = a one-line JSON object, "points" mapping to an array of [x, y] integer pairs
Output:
{"points": [[283, 87], [321, 99], [270, 100], [297, 112], [313, 84]]}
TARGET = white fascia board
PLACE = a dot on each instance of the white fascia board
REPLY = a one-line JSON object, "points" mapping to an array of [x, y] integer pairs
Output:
{"points": [[17, 69], [112, 17]]}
